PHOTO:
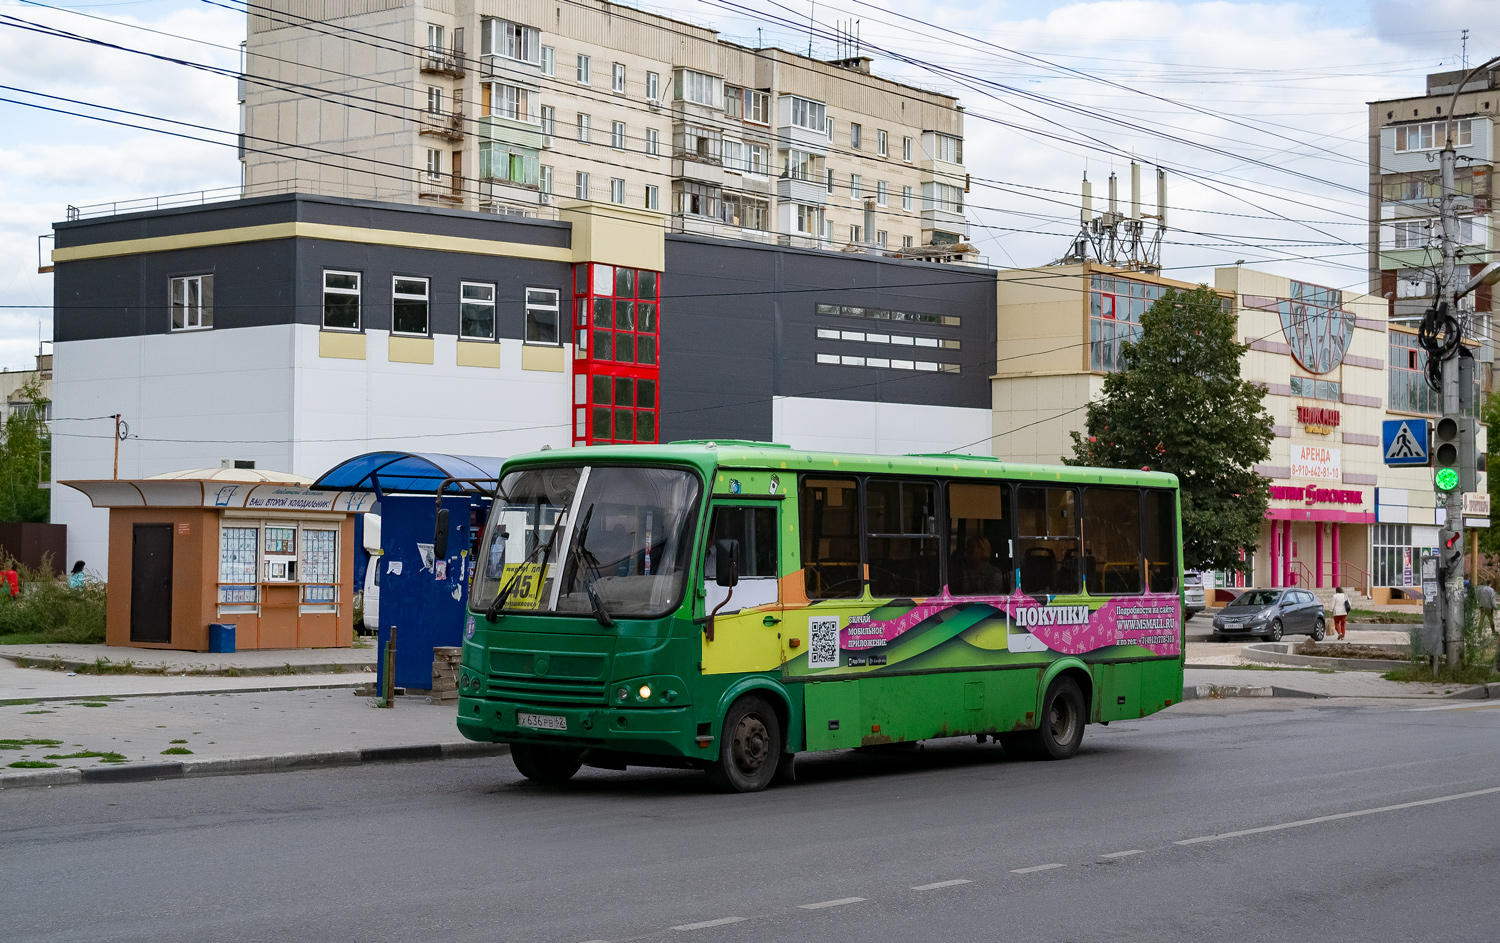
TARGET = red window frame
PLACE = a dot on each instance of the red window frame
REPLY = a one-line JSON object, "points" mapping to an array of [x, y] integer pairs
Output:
{"points": [[617, 310]]}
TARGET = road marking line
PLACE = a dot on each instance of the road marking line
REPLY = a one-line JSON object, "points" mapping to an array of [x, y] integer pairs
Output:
{"points": [[935, 886], [1341, 815], [832, 903], [1123, 854], [704, 925], [1040, 867]]}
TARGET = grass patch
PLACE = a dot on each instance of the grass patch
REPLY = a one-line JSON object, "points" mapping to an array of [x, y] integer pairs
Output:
{"points": [[28, 742], [176, 751], [1470, 674], [39, 712], [1385, 618], [49, 611], [178, 741], [106, 756], [18, 701], [89, 704], [32, 764]]}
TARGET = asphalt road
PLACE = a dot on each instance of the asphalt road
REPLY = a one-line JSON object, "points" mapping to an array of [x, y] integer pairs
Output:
{"points": [[955, 842]]}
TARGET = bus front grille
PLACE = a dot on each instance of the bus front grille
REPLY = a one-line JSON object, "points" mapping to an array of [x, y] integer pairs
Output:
{"points": [[546, 692]]}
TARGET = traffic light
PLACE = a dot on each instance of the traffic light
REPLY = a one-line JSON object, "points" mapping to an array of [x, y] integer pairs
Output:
{"points": [[1453, 455], [1450, 548]]}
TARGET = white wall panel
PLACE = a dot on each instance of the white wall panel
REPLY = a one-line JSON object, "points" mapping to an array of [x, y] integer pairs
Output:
{"points": [[885, 428]]}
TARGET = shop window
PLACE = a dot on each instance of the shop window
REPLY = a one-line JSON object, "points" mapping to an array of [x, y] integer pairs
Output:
{"points": [[1112, 541], [280, 555], [1047, 548], [237, 565], [1160, 541], [192, 302], [979, 562], [476, 311], [409, 305], [902, 540], [831, 566], [319, 565], [340, 301]]}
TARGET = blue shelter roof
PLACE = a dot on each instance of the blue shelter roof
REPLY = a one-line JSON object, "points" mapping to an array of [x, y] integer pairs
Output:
{"points": [[407, 472]]}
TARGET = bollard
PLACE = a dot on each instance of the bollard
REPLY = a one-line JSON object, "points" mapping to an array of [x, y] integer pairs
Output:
{"points": [[390, 669]]}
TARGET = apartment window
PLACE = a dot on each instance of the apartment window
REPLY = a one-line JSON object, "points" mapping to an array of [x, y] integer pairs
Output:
{"points": [[856, 186], [617, 190], [808, 114], [856, 134], [697, 199], [617, 77], [808, 220], [549, 120], [192, 302], [941, 196], [581, 185], [882, 141], [408, 305], [508, 101], [699, 88], [856, 234], [881, 238], [583, 70], [756, 159], [434, 100], [476, 310], [434, 164], [549, 60], [828, 181], [512, 40], [509, 162], [542, 316], [734, 101], [583, 127], [906, 149], [434, 39], [734, 154], [653, 86], [757, 106], [340, 301], [745, 212], [653, 142], [800, 165], [1433, 135], [880, 193], [544, 183], [828, 129], [653, 197], [695, 143], [617, 135], [947, 147], [906, 242], [906, 197]]}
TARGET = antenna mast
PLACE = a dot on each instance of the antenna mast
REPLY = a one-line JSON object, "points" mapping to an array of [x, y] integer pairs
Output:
{"points": [[1115, 239]]}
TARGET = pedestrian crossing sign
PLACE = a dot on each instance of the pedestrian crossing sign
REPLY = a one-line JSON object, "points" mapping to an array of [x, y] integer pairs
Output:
{"points": [[1404, 441]]}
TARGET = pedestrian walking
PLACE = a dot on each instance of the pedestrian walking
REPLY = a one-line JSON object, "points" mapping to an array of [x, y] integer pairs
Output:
{"points": [[1341, 609], [1484, 597], [75, 578]]}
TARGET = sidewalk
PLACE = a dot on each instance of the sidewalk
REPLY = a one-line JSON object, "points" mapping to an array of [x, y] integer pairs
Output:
{"points": [[1203, 654], [1295, 683], [163, 661], [39, 685]]}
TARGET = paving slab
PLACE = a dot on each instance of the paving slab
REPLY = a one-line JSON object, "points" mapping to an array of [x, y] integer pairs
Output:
{"points": [[221, 730], [1295, 683], [45, 684], [1205, 653], [262, 661]]}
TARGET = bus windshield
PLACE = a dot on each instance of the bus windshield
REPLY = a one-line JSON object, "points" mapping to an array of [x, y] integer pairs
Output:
{"points": [[573, 539]]}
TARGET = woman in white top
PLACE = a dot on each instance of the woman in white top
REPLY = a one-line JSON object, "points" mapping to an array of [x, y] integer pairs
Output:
{"points": [[1340, 610]]}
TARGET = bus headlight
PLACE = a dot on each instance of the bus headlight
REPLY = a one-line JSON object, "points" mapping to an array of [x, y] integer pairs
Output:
{"points": [[645, 692]]}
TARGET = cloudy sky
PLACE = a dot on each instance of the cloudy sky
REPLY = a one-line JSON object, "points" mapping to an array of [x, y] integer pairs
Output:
{"points": [[1257, 110]]}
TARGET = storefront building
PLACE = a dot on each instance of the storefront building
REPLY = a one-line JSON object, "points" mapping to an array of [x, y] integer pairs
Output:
{"points": [[1333, 369]]}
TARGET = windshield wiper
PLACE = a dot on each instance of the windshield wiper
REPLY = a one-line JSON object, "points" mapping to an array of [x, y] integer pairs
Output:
{"points": [[492, 614], [583, 558]]}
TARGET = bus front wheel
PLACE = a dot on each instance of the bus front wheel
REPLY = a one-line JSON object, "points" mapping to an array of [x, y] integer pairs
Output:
{"points": [[1060, 732], [749, 748], [546, 764]]}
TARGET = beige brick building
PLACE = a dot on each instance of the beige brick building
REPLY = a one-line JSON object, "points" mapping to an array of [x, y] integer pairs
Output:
{"points": [[507, 107]]}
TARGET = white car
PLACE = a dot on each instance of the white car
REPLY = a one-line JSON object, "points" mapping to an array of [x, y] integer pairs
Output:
{"points": [[1193, 597]]}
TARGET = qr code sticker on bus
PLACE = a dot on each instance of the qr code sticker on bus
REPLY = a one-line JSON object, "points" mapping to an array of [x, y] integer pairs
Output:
{"points": [[823, 642]]}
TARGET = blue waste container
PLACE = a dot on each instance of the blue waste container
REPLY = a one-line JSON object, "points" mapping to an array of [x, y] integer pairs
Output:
{"points": [[221, 637]]}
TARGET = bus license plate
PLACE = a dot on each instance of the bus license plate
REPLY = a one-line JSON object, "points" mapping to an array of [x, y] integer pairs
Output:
{"points": [[542, 721]]}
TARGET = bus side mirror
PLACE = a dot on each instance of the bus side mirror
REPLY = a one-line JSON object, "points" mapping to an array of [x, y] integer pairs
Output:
{"points": [[727, 562], [440, 536]]}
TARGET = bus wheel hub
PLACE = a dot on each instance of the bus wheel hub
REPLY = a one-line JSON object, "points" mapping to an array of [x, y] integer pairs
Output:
{"points": [[751, 744]]}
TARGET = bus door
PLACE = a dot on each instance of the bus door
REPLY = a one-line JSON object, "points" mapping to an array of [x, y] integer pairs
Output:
{"points": [[746, 629]]}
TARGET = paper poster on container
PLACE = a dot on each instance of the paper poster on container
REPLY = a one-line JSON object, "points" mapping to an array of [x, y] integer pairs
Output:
{"points": [[1317, 462]]}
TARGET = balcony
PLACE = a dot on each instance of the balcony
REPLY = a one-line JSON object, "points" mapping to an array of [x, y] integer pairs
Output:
{"points": [[447, 188], [811, 192], [444, 62], [803, 139], [449, 126], [945, 220]]}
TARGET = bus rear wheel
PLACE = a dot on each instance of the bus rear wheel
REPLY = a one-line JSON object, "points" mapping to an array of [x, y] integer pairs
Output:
{"points": [[749, 748], [1061, 730], [546, 764]]}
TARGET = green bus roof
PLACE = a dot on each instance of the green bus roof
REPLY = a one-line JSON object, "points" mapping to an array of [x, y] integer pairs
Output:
{"points": [[707, 454]]}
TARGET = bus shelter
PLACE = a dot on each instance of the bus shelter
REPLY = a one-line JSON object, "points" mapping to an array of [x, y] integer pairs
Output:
{"points": [[256, 550], [423, 597]]}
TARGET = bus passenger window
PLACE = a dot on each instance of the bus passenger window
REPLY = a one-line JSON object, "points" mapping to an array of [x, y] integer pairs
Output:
{"points": [[755, 529], [830, 538], [1047, 544], [901, 527], [1112, 540], [979, 561], [1161, 541]]}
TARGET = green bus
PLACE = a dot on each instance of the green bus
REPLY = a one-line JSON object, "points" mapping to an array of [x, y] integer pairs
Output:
{"points": [[727, 605]]}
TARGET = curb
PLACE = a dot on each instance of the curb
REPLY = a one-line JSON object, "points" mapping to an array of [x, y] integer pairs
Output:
{"points": [[246, 765], [1194, 692], [1264, 654], [1478, 692], [53, 698]]}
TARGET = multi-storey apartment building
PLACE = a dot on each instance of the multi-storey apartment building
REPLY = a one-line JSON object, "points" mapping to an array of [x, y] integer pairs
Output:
{"points": [[507, 107], [1406, 135]]}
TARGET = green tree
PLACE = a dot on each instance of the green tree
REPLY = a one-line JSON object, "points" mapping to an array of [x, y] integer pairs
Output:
{"points": [[1489, 537], [1180, 406], [25, 459]]}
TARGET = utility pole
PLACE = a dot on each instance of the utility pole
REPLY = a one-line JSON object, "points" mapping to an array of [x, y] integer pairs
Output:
{"points": [[1453, 577]]}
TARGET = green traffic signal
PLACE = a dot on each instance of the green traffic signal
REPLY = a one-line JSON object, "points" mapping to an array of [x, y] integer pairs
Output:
{"points": [[1446, 479]]}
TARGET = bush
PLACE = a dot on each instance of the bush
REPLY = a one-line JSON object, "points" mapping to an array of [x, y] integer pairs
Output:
{"points": [[49, 611]]}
